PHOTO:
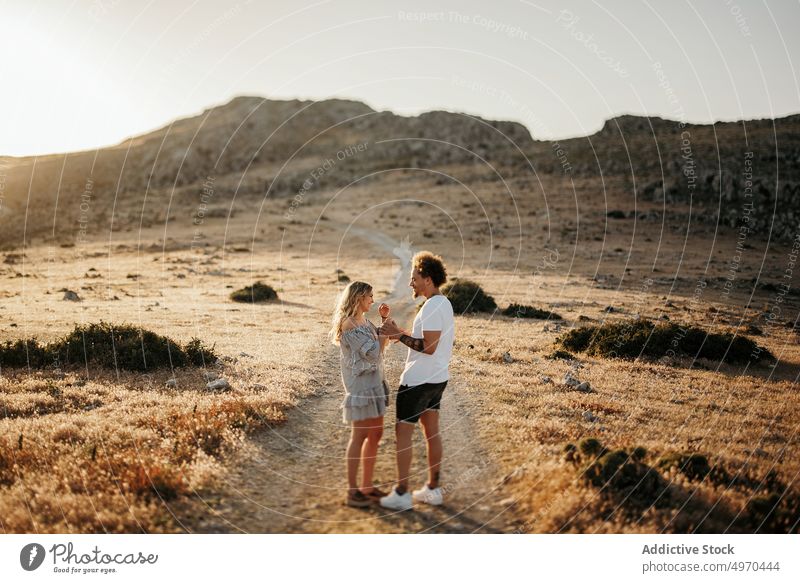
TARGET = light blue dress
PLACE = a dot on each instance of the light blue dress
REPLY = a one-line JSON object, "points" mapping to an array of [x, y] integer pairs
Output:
{"points": [[366, 392]]}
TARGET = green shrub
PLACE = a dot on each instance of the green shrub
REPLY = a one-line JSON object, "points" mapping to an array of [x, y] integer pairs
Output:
{"points": [[693, 465], [520, 311], [258, 292], [622, 476], [468, 297], [19, 353], [591, 447], [198, 353], [632, 339], [121, 346], [634, 487], [772, 513]]}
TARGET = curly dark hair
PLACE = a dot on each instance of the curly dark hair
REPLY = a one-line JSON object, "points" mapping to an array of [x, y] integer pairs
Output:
{"points": [[430, 265]]}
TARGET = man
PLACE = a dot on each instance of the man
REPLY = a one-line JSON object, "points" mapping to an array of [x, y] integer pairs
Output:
{"points": [[430, 346]]}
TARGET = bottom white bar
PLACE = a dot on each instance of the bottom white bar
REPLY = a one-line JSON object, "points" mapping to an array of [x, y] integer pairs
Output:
{"points": [[388, 558]]}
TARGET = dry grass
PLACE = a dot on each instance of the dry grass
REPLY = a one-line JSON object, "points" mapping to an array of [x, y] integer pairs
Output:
{"points": [[104, 450], [111, 454], [105, 455], [744, 420]]}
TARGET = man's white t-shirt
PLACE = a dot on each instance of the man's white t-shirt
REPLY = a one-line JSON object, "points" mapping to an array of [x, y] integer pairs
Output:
{"points": [[436, 314]]}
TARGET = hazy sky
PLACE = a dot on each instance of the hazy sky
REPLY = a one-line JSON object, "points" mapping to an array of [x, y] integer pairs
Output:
{"points": [[88, 73]]}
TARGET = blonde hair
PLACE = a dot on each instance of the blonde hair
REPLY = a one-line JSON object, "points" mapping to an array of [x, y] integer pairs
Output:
{"points": [[347, 306]]}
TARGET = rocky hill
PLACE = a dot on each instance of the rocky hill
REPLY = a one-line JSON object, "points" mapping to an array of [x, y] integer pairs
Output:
{"points": [[253, 146], [249, 146], [745, 173]]}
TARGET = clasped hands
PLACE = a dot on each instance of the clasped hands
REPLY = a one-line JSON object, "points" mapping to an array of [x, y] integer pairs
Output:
{"points": [[390, 329]]}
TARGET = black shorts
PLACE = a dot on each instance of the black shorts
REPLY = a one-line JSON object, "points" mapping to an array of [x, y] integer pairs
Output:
{"points": [[414, 401]]}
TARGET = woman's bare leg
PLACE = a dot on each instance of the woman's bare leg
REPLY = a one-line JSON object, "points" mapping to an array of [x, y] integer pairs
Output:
{"points": [[357, 438], [369, 452]]}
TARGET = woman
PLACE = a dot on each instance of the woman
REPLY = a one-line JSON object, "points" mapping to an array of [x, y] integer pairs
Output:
{"points": [[366, 393]]}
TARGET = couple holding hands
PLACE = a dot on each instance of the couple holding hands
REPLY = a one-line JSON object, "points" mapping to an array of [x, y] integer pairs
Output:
{"points": [[424, 377]]}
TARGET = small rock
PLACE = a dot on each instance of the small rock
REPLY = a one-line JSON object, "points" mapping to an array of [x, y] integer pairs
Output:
{"points": [[507, 358], [609, 309], [171, 384], [589, 416], [71, 296], [584, 387], [546, 328], [219, 385], [545, 379], [570, 380]]}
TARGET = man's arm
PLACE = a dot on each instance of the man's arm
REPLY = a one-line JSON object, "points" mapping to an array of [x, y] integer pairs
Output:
{"points": [[426, 345]]}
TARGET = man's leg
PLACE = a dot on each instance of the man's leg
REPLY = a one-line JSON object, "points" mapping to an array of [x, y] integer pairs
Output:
{"points": [[433, 440], [404, 432]]}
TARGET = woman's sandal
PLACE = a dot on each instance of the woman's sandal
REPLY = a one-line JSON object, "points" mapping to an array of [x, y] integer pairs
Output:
{"points": [[375, 494], [359, 500]]}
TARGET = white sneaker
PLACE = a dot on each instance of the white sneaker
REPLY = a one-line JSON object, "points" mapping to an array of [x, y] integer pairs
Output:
{"points": [[395, 501], [433, 496]]}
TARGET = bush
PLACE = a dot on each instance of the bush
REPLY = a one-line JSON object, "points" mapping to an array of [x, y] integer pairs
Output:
{"points": [[591, 447], [258, 292], [633, 488], [21, 352], [617, 473], [772, 513], [198, 353], [693, 465], [632, 339], [520, 311], [120, 346], [468, 297]]}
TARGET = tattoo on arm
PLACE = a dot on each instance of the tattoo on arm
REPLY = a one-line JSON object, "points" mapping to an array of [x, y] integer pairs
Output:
{"points": [[417, 344]]}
